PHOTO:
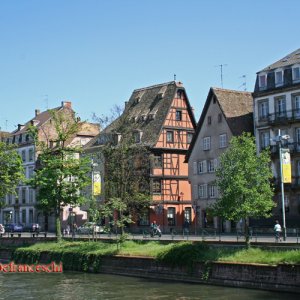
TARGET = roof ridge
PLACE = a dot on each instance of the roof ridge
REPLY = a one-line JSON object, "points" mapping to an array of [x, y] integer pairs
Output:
{"points": [[231, 91], [154, 86]]}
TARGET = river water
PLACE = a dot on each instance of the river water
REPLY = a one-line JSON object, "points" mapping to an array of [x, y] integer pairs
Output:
{"points": [[71, 285]]}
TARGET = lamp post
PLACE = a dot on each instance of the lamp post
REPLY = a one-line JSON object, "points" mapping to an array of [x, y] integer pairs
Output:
{"points": [[279, 139]]}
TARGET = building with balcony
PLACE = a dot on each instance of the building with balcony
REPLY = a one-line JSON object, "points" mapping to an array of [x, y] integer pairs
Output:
{"points": [[161, 119], [277, 109], [226, 113]]}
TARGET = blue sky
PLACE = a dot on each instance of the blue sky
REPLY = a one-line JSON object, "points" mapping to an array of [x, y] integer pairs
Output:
{"points": [[95, 53]]}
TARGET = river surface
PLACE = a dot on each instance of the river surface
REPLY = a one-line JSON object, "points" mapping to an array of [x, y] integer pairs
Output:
{"points": [[71, 285]]}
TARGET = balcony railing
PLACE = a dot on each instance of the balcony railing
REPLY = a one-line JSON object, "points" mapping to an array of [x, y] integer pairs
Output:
{"points": [[293, 147], [280, 117]]}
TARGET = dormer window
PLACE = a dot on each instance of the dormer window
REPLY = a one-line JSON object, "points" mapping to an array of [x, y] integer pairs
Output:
{"points": [[296, 74], [262, 81], [279, 78]]}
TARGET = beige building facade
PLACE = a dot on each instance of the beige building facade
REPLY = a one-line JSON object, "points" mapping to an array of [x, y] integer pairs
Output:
{"points": [[226, 113]]}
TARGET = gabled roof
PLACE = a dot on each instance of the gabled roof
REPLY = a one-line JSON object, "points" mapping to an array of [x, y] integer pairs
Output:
{"points": [[288, 60], [40, 119], [237, 108], [145, 111]]}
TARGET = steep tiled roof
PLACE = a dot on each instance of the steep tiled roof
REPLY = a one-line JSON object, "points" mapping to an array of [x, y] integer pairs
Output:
{"points": [[40, 119], [145, 111], [237, 108], [288, 60]]}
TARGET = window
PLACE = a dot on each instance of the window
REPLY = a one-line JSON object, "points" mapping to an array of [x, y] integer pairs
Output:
{"points": [[202, 167], [144, 219], [297, 135], [157, 161], [9, 199], [202, 191], [263, 109], [156, 186], [23, 216], [265, 139], [189, 137], [279, 78], [17, 196], [24, 195], [208, 120], [211, 166], [188, 215], [23, 154], [280, 107], [31, 195], [262, 81], [137, 136], [30, 154], [223, 140], [296, 74], [219, 118], [178, 115], [30, 216], [180, 94], [170, 136], [30, 172], [171, 216], [206, 143], [212, 191], [296, 106]]}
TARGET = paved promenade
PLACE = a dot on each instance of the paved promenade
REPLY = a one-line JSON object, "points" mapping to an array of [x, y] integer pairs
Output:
{"points": [[226, 238]]}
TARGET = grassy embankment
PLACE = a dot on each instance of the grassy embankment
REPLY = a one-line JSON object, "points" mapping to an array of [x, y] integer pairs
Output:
{"points": [[175, 254]]}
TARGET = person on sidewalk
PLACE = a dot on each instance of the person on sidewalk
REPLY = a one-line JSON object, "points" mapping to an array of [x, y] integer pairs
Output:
{"points": [[277, 230]]}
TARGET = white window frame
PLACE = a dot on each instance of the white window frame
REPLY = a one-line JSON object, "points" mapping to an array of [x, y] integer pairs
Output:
{"points": [[264, 139], [223, 140], [202, 167], [202, 191], [280, 106], [279, 75], [211, 166], [263, 109], [206, 143], [262, 86], [212, 191], [296, 79]]}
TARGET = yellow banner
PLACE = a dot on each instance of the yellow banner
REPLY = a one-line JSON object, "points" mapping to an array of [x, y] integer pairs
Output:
{"points": [[286, 168], [97, 184], [97, 188]]}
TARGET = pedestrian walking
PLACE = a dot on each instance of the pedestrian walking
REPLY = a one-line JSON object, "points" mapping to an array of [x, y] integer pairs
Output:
{"points": [[277, 231]]}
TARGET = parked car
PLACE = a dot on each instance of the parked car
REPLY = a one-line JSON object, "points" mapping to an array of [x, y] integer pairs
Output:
{"points": [[2, 229], [89, 227], [14, 227]]}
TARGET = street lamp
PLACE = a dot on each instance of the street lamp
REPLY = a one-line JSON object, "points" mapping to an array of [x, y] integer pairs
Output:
{"points": [[279, 139]]}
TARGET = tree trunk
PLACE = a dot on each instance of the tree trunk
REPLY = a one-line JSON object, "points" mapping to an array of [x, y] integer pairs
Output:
{"points": [[58, 225], [247, 236]]}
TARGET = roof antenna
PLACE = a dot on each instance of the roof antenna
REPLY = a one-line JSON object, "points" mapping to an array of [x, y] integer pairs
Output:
{"points": [[244, 84], [221, 69], [46, 100], [6, 122], [174, 77]]}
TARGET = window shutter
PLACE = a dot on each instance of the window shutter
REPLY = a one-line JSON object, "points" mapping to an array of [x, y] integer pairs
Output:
{"points": [[195, 168]]}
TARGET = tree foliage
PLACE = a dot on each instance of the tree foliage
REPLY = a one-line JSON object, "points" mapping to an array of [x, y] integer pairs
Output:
{"points": [[61, 172], [243, 180], [11, 170]]}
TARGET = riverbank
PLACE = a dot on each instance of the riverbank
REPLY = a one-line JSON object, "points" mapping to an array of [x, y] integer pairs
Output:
{"points": [[189, 262]]}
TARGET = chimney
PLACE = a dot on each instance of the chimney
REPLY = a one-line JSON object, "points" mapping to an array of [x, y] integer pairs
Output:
{"points": [[126, 104], [20, 127], [179, 84], [67, 104], [37, 112]]}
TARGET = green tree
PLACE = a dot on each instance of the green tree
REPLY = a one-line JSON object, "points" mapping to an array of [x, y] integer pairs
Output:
{"points": [[11, 171], [243, 180], [61, 172]]}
